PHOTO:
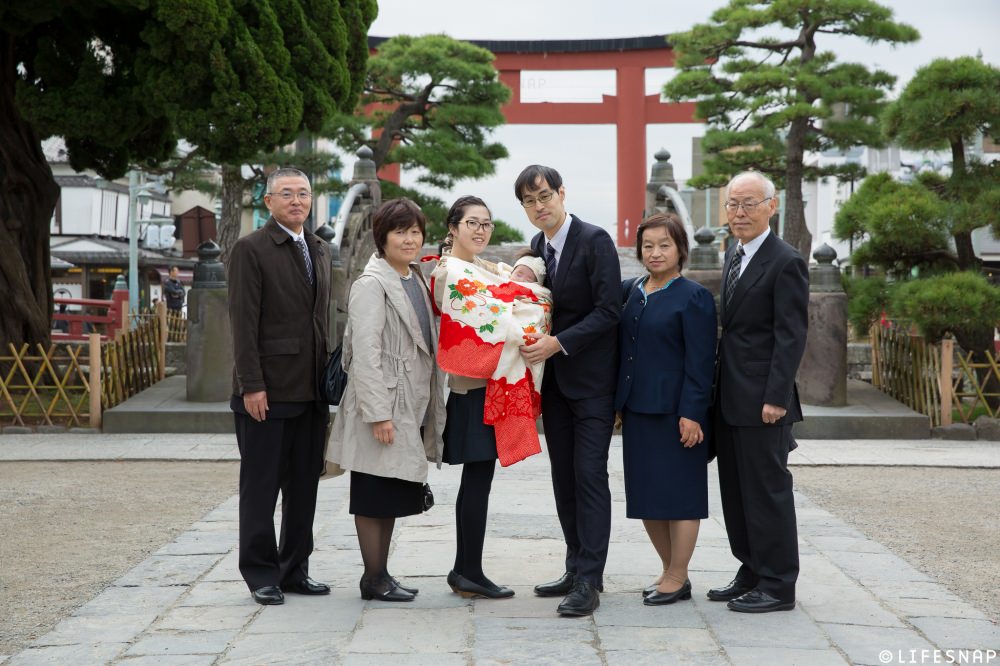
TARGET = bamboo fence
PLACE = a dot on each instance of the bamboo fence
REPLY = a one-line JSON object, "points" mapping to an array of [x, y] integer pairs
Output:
{"points": [[62, 385], [940, 380]]}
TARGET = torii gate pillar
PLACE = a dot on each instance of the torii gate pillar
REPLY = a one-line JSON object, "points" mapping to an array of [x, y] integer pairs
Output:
{"points": [[631, 151]]}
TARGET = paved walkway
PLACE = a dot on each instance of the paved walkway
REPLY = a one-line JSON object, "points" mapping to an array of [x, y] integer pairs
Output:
{"points": [[185, 604]]}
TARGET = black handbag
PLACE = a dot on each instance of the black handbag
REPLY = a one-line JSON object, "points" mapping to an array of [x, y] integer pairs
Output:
{"points": [[428, 497], [334, 380]]}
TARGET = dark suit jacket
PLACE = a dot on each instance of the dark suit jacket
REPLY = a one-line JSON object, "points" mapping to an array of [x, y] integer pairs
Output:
{"points": [[279, 322], [668, 352], [587, 305], [763, 335]]}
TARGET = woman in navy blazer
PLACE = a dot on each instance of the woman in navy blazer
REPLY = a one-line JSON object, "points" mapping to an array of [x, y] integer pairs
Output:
{"points": [[667, 353]]}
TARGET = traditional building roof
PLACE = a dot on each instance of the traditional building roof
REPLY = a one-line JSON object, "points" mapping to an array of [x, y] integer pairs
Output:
{"points": [[82, 250]]}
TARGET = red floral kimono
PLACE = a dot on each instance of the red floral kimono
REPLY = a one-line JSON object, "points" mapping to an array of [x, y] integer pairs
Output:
{"points": [[484, 321]]}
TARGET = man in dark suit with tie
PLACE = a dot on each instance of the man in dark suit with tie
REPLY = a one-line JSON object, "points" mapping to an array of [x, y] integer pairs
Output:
{"points": [[765, 301], [279, 293], [584, 273]]}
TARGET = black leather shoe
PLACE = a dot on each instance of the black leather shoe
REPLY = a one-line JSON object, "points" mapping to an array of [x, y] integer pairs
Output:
{"points": [[736, 588], [269, 595], [392, 592], [756, 601], [468, 589], [412, 590], [582, 600], [657, 598], [306, 586], [453, 580], [557, 588], [649, 589]]}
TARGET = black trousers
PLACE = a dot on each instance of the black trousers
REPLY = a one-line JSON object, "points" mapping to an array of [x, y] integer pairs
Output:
{"points": [[578, 435], [283, 454], [758, 505]]}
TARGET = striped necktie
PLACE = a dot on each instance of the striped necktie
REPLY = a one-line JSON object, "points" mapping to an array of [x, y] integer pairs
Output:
{"points": [[305, 256], [734, 273], [550, 262]]}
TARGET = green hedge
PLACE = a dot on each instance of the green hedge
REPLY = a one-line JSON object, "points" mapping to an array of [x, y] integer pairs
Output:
{"points": [[963, 304]]}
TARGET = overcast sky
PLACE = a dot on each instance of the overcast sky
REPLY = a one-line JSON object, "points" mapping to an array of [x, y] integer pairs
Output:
{"points": [[585, 154]]}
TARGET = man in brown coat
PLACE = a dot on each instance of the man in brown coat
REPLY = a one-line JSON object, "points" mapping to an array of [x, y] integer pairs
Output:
{"points": [[279, 290]]}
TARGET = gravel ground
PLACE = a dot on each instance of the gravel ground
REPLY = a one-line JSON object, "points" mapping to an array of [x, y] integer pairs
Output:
{"points": [[68, 529], [943, 521]]}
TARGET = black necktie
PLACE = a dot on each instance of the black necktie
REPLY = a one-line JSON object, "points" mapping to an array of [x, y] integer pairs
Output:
{"points": [[734, 273], [550, 262], [305, 256]]}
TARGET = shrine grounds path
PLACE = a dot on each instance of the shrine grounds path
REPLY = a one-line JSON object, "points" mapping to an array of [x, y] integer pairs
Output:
{"points": [[122, 549]]}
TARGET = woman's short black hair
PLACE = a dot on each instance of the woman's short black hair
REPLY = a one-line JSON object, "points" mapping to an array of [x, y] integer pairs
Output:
{"points": [[678, 234], [396, 214]]}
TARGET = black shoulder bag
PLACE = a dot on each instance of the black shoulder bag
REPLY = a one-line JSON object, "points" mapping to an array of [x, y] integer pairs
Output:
{"points": [[334, 380]]}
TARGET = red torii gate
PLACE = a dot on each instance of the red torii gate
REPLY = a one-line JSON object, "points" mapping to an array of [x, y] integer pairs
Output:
{"points": [[630, 109]]}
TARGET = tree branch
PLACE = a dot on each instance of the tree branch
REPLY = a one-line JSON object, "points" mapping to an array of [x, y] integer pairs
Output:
{"points": [[779, 46]]}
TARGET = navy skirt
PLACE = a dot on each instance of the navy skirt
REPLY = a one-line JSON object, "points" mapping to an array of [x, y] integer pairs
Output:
{"points": [[663, 480], [466, 437]]}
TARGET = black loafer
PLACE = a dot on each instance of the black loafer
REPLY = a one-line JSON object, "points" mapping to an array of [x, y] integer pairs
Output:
{"points": [[269, 595], [468, 589], [756, 601], [392, 592], [582, 600], [649, 589], [306, 586], [557, 588], [657, 598], [412, 590], [453, 580], [736, 588]]}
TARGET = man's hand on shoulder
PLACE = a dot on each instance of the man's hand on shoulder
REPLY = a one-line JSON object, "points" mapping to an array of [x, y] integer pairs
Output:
{"points": [[541, 349]]}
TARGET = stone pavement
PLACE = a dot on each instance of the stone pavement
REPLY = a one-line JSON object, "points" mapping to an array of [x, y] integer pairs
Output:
{"points": [[185, 604]]}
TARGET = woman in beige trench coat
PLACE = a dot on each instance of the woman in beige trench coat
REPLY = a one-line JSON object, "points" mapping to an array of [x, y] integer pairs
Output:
{"points": [[390, 419]]}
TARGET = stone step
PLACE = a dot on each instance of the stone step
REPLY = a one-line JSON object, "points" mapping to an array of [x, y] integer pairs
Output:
{"points": [[164, 407], [869, 414]]}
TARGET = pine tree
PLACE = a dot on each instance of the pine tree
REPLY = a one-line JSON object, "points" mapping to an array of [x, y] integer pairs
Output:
{"points": [[945, 106], [770, 95], [430, 103], [123, 80]]}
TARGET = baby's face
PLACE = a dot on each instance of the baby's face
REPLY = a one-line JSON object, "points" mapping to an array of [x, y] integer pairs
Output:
{"points": [[522, 273]]}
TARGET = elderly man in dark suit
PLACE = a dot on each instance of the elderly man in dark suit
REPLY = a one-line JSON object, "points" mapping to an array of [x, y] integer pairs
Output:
{"points": [[765, 300], [279, 291], [578, 391]]}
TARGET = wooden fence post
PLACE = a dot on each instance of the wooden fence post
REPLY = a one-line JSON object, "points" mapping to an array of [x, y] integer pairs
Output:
{"points": [[95, 380], [124, 325], [161, 347], [875, 339], [947, 359]]}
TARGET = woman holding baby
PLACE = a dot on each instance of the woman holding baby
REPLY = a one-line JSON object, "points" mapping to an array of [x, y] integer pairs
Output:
{"points": [[468, 441]]}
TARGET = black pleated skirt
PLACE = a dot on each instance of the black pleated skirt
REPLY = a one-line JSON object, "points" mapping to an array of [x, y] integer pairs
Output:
{"points": [[385, 497], [466, 437]]}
